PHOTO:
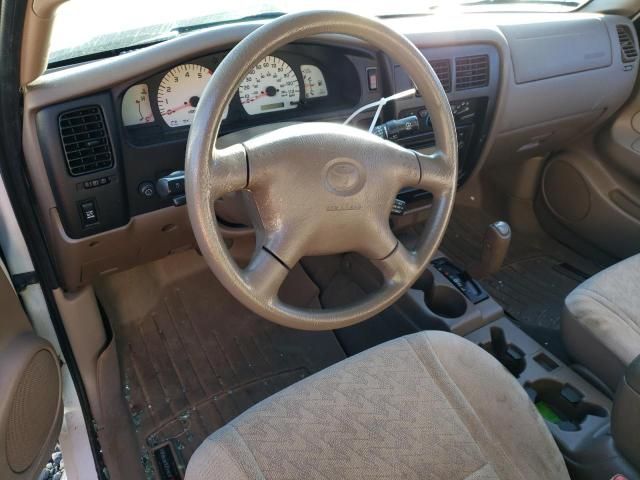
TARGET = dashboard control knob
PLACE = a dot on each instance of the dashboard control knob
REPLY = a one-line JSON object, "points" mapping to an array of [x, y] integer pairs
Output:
{"points": [[147, 189]]}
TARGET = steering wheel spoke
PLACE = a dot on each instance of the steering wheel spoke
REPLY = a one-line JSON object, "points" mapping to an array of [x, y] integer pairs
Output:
{"points": [[264, 274], [437, 173], [400, 265], [228, 167]]}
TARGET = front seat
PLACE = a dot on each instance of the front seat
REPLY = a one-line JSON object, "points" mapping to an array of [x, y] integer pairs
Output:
{"points": [[601, 321], [429, 405]]}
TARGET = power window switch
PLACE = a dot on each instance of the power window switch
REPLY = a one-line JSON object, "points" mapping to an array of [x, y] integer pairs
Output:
{"points": [[88, 213]]}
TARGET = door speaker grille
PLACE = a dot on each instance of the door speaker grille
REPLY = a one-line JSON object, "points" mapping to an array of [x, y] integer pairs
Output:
{"points": [[33, 411]]}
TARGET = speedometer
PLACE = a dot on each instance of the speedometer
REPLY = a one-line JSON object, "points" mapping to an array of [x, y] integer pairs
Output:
{"points": [[179, 93], [269, 86]]}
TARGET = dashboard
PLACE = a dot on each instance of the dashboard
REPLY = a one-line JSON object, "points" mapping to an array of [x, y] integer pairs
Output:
{"points": [[147, 121], [293, 82], [98, 136]]}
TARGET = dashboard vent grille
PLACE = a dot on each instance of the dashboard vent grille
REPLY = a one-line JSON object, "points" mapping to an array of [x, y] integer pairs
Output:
{"points": [[472, 72], [627, 45], [443, 71], [86, 145]]}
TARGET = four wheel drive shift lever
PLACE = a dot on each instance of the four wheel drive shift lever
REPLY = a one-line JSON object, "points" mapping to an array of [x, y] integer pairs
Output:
{"points": [[495, 246], [508, 355]]}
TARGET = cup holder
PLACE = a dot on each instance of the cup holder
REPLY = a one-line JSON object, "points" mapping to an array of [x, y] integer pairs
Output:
{"points": [[441, 300], [445, 302], [562, 404]]}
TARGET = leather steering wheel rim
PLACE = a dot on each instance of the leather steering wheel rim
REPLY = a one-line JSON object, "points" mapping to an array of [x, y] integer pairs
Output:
{"points": [[343, 181]]}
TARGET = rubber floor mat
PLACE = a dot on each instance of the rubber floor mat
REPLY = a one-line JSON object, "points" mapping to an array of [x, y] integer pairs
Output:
{"points": [[532, 291], [537, 275], [198, 359]]}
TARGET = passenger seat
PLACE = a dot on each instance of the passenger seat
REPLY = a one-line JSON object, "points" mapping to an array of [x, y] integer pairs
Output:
{"points": [[601, 321]]}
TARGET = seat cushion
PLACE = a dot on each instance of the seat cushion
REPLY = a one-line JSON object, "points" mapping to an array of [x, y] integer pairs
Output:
{"points": [[429, 405], [601, 321]]}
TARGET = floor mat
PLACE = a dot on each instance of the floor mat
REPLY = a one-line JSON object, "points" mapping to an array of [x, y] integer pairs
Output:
{"points": [[198, 359], [533, 290], [536, 277]]}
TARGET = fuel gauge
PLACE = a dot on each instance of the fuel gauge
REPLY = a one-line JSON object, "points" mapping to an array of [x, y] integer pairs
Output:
{"points": [[314, 84], [136, 107]]}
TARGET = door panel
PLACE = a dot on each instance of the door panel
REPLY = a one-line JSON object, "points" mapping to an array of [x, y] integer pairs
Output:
{"points": [[588, 196], [30, 385]]}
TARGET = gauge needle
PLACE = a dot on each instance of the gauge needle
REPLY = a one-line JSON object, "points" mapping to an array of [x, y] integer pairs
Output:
{"points": [[181, 107], [270, 91], [262, 94]]}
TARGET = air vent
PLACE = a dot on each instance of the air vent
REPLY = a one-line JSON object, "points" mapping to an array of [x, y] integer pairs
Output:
{"points": [[86, 144], [443, 71], [472, 72], [627, 45]]}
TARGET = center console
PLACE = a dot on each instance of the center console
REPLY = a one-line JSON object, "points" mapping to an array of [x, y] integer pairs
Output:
{"points": [[592, 430], [574, 410]]}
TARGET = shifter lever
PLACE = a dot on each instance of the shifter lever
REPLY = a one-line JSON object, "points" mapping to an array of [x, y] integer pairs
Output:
{"points": [[498, 342], [495, 246], [508, 355]]}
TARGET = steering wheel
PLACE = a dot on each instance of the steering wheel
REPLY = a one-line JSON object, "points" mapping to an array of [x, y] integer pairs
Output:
{"points": [[318, 188]]}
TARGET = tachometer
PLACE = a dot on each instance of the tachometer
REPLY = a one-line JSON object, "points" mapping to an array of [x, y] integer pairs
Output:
{"points": [[269, 86], [179, 93]]}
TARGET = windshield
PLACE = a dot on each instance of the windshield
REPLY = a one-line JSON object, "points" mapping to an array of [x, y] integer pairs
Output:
{"points": [[88, 27]]}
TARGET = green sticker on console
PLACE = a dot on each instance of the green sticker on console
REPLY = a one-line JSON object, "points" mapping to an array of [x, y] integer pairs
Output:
{"points": [[547, 412]]}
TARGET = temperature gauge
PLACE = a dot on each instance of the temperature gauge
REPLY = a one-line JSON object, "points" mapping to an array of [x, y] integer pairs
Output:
{"points": [[314, 84], [136, 108]]}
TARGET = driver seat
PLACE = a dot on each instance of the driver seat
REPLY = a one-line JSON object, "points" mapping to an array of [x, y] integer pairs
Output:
{"points": [[429, 405]]}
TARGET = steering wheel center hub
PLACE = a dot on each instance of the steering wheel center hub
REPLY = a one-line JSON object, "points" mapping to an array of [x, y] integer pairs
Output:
{"points": [[344, 176]]}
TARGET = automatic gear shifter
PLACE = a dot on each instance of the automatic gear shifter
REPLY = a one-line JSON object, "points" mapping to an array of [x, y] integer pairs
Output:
{"points": [[495, 246]]}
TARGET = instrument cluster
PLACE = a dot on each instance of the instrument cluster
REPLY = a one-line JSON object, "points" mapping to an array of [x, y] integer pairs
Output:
{"points": [[278, 83]]}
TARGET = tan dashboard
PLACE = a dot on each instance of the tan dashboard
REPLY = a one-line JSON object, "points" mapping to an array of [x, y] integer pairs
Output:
{"points": [[545, 77]]}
